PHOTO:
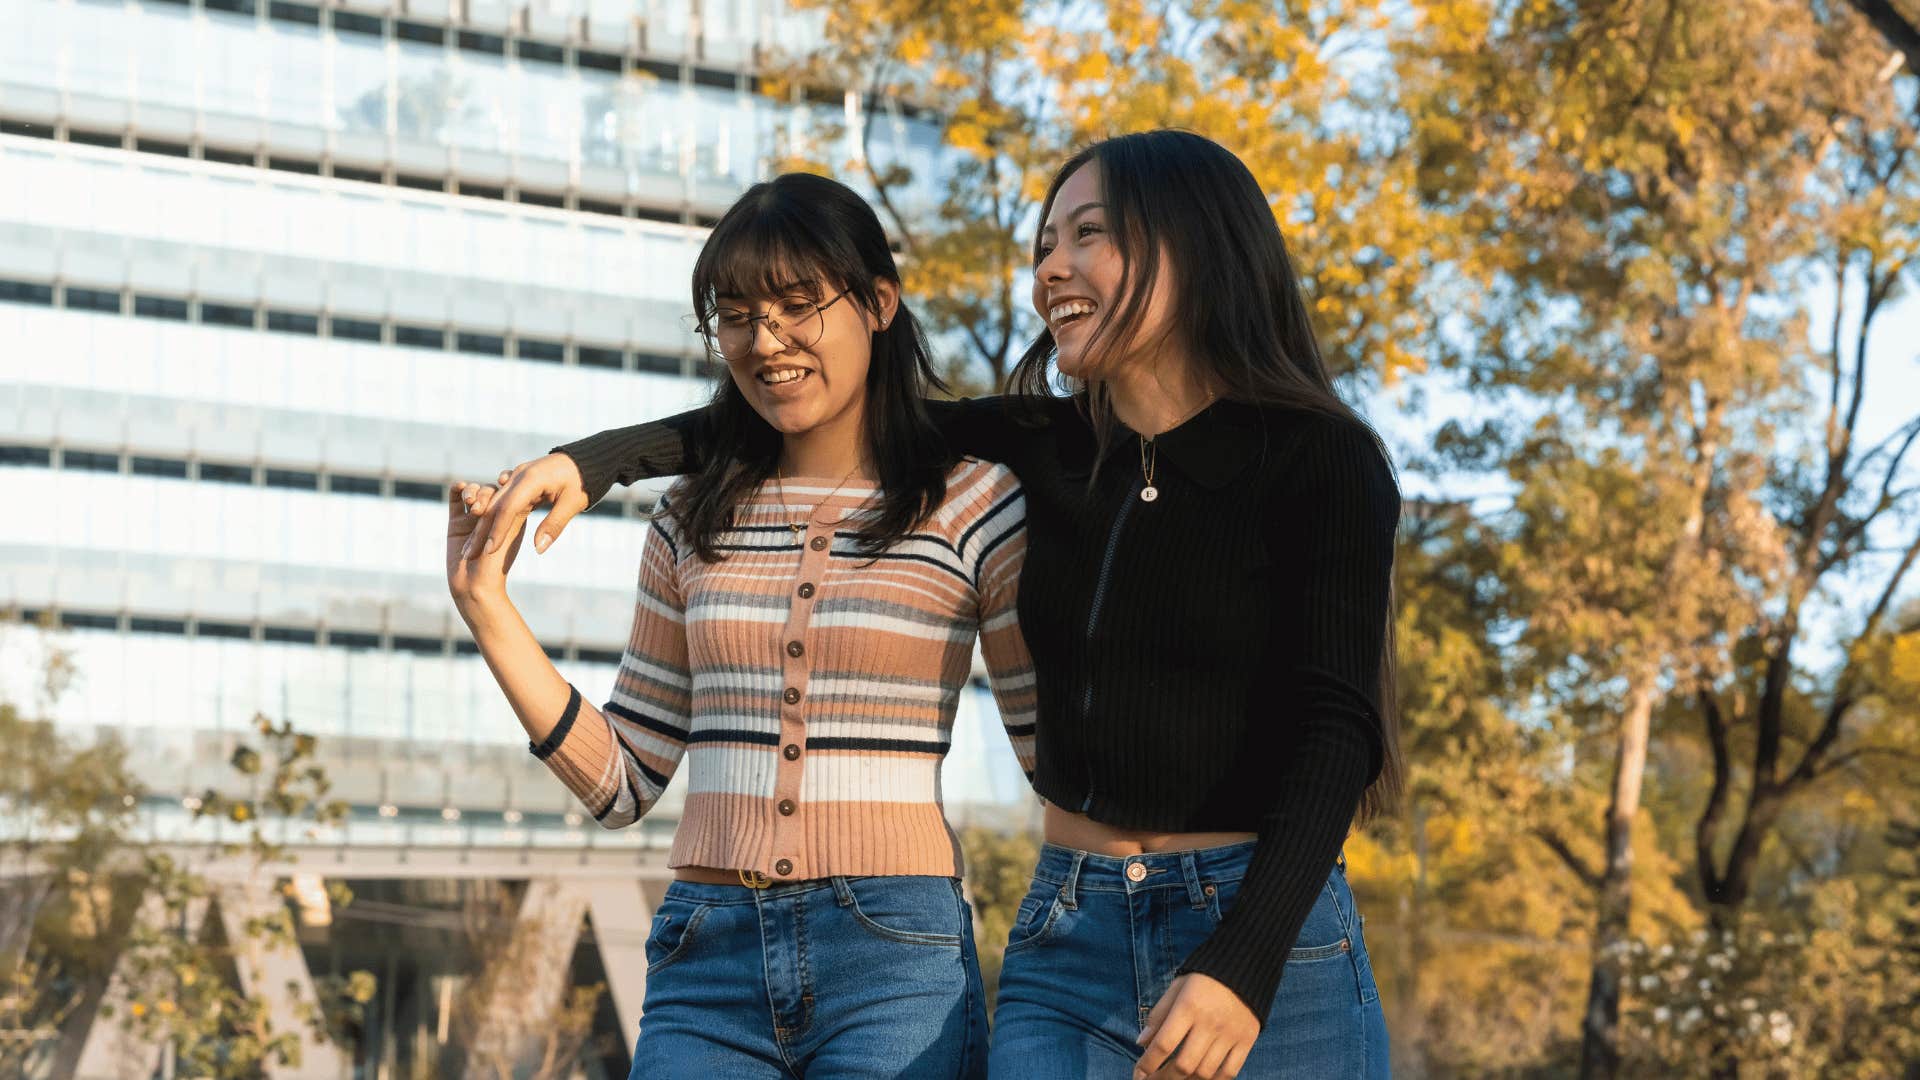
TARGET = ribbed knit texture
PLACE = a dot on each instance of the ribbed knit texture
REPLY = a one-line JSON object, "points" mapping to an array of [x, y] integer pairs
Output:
{"points": [[1205, 662], [803, 641]]}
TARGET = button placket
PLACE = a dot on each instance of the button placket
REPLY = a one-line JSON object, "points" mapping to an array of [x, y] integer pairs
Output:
{"points": [[795, 671]]}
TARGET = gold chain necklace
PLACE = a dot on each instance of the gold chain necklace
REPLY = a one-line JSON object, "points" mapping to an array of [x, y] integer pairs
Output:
{"points": [[780, 486], [1150, 455]]}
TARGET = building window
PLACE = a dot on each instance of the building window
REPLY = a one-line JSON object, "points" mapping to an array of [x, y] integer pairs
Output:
{"points": [[598, 61], [25, 292], [92, 299], [485, 344], [420, 646], [420, 337], [293, 479], [666, 365], [88, 461], [294, 13], [350, 639], [141, 624], [227, 157], [364, 176], [94, 138], [168, 468], [421, 32], [353, 329], [290, 635], [352, 22], [159, 307], [343, 484], [30, 456], [226, 474], [416, 489], [158, 146], [293, 322], [473, 41], [551, 352], [82, 620], [599, 656], [541, 53], [226, 315], [600, 357]]}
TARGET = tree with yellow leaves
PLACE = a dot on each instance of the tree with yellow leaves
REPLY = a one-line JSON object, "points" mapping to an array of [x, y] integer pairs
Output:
{"points": [[1014, 87], [1639, 193]]}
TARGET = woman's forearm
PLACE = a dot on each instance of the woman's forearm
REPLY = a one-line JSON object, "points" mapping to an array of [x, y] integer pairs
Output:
{"points": [[534, 687]]}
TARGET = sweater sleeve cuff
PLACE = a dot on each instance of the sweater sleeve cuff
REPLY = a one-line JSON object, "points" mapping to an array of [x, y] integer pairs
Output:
{"points": [[545, 748]]}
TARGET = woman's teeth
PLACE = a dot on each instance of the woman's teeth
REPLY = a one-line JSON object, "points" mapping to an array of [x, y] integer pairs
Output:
{"points": [[783, 375], [1068, 311]]}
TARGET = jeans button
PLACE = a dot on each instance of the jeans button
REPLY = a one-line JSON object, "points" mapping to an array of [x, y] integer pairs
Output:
{"points": [[1136, 872]]}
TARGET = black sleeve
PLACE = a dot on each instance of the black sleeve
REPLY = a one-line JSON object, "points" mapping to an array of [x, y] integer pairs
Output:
{"points": [[1342, 503], [674, 446], [986, 428]]}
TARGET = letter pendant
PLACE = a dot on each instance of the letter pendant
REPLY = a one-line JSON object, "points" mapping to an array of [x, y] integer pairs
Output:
{"points": [[1149, 493]]}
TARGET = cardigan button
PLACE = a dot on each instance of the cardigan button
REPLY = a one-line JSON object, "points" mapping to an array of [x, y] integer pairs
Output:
{"points": [[792, 752], [818, 543], [806, 590], [794, 648], [792, 696], [786, 807], [783, 867]]}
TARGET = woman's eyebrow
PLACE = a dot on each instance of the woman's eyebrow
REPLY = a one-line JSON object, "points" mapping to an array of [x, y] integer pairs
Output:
{"points": [[1077, 211]]}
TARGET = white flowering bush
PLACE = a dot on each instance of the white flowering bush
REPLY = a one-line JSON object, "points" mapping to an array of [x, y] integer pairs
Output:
{"points": [[1832, 992]]}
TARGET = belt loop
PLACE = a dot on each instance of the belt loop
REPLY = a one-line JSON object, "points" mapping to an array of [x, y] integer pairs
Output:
{"points": [[1190, 869], [1073, 879], [842, 892]]}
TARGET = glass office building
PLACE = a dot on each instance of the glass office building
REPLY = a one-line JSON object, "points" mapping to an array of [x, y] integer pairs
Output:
{"points": [[272, 274]]}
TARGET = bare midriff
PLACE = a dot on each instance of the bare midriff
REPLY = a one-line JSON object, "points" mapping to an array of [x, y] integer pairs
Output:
{"points": [[1070, 830]]}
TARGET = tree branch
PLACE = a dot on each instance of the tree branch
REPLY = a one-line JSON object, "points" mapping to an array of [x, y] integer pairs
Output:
{"points": [[1707, 830], [1588, 875]]}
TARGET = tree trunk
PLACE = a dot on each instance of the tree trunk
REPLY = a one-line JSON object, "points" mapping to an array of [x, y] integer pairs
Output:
{"points": [[1600, 1030]]}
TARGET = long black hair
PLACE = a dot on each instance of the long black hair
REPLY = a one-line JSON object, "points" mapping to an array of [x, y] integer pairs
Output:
{"points": [[806, 228], [1181, 205]]}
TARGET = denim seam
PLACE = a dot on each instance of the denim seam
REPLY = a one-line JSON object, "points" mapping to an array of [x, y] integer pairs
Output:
{"points": [[888, 933], [686, 938]]}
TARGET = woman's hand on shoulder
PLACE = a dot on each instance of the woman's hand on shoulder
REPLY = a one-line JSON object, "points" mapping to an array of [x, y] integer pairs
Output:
{"points": [[552, 481], [477, 582]]}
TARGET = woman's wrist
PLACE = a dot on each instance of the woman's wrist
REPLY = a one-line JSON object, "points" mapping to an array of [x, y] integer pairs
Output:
{"points": [[485, 609]]}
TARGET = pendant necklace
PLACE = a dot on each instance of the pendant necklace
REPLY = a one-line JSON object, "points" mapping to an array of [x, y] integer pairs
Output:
{"points": [[1150, 455], [780, 486]]}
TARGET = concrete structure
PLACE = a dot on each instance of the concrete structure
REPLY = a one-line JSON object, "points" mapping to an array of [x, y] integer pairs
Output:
{"points": [[272, 274]]}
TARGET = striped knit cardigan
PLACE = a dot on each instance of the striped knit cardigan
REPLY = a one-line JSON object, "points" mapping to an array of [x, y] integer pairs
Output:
{"points": [[810, 690]]}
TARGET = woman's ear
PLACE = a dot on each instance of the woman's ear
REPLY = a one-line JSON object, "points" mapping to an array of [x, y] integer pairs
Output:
{"points": [[888, 294]]}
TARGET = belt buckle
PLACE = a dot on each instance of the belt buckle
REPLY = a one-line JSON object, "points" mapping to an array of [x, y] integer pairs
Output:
{"points": [[754, 879]]}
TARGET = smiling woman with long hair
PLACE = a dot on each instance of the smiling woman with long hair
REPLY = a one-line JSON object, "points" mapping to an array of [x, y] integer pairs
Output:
{"points": [[1207, 598], [804, 627]]}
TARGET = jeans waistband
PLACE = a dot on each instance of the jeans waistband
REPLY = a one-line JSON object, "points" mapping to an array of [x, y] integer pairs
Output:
{"points": [[695, 892], [1085, 871]]}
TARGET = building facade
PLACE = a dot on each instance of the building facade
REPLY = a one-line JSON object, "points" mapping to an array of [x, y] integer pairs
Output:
{"points": [[272, 275]]}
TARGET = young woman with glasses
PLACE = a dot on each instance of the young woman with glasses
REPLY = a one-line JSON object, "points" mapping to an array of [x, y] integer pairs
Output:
{"points": [[807, 610], [1207, 601]]}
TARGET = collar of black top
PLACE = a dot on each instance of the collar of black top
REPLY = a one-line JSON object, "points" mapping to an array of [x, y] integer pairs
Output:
{"points": [[1210, 448]]}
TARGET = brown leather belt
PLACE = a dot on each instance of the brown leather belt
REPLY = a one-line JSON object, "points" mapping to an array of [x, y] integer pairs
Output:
{"points": [[706, 875]]}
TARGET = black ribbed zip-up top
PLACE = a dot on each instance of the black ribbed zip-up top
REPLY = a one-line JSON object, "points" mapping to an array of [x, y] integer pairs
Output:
{"points": [[1206, 662]]}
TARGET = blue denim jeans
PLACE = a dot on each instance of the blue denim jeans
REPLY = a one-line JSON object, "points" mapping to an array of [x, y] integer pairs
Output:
{"points": [[1092, 951], [841, 977]]}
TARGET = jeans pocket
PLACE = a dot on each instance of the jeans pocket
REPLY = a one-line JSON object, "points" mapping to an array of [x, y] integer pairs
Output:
{"points": [[674, 925], [909, 910], [1038, 918]]}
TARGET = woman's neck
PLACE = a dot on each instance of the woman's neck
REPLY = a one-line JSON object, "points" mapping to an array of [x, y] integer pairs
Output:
{"points": [[1156, 395], [828, 452]]}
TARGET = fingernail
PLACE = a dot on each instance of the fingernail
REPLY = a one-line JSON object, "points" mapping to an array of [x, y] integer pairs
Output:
{"points": [[540, 543]]}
